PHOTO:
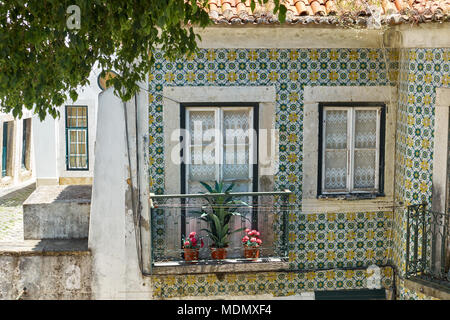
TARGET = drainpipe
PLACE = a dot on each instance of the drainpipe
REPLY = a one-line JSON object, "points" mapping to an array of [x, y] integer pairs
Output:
{"points": [[137, 134]]}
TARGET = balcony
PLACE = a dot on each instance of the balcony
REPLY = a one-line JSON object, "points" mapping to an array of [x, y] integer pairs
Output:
{"points": [[174, 217], [427, 247]]}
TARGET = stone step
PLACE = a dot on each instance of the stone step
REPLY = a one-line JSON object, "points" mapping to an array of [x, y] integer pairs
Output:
{"points": [[44, 247], [57, 212]]}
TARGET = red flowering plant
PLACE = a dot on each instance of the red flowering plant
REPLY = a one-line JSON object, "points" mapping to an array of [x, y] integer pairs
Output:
{"points": [[193, 242], [251, 238]]}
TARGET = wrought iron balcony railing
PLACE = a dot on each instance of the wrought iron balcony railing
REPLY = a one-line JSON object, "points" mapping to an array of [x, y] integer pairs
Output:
{"points": [[173, 218], [427, 245]]}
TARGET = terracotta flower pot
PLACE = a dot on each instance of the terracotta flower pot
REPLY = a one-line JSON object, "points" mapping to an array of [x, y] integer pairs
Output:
{"points": [[218, 253], [190, 255], [251, 252]]}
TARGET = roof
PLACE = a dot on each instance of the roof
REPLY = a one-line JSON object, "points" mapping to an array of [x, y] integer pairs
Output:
{"points": [[331, 11]]}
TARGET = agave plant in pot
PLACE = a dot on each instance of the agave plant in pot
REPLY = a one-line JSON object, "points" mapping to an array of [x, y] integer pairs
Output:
{"points": [[217, 214]]}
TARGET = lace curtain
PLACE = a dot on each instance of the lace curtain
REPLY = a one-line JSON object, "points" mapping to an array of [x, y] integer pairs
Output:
{"points": [[232, 137], [235, 147], [365, 149], [360, 146], [336, 150]]}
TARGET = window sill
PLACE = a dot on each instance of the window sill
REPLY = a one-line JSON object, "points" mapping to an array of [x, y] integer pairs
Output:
{"points": [[351, 196], [338, 205], [220, 266]]}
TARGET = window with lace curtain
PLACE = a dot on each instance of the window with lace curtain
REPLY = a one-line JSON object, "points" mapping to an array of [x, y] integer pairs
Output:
{"points": [[220, 145], [351, 146]]}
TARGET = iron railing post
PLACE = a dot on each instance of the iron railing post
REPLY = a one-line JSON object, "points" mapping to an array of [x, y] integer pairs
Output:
{"points": [[416, 238], [446, 244], [424, 238], [443, 245], [255, 210], [430, 261], [434, 232], [285, 224], [408, 235], [152, 251]]}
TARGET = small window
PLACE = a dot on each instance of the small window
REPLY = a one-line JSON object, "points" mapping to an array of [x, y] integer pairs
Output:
{"points": [[6, 148], [351, 145], [77, 138], [26, 135]]}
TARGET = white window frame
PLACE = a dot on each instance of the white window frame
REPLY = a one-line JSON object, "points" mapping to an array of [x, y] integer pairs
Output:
{"points": [[350, 189], [220, 143]]}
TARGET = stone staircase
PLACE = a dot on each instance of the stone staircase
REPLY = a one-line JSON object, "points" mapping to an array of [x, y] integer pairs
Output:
{"points": [[57, 212]]}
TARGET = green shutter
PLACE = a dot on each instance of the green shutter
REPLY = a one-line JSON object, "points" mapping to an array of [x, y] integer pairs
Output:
{"points": [[5, 148]]}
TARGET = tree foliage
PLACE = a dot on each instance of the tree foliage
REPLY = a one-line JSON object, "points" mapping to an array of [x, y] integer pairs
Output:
{"points": [[42, 60]]}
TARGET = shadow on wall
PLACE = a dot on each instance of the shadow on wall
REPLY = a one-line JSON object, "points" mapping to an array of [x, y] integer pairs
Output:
{"points": [[75, 192]]}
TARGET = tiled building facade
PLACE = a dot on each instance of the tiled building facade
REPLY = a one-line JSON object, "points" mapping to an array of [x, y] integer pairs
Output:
{"points": [[321, 245]]}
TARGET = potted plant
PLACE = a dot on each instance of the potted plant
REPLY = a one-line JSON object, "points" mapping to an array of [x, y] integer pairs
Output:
{"points": [[191, 247], [217, 215], [251, 242]]}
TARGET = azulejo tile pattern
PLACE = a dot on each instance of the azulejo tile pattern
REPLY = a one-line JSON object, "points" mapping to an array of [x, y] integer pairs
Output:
{"points": [[276, 284], [316, 241], [288, 70], [421, 71]]}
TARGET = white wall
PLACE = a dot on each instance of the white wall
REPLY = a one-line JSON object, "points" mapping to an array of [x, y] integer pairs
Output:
{"points": [[16, 175], [112, 241], [45, 145], [50, 140]]}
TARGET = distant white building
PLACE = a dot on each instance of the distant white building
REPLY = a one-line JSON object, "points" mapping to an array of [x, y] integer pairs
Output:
{"points": [[53, 151], [17, 160]]}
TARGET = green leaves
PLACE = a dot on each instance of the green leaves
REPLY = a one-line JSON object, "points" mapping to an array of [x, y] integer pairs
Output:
{"points": [[42, 60], [207, 187], [219, 213], [282, 14]]}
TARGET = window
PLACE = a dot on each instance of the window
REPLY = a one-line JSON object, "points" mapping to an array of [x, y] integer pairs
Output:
{"points": [[5, 148], [220, 147], [77, 138], [26, 133], [351, 144]]}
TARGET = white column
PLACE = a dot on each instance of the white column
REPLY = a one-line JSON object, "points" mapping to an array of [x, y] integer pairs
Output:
{"points": [[112, 241], [440, 166], [45, 150]]}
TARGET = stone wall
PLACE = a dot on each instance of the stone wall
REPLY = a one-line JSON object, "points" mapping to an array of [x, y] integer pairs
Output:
{"points": [[48, 269], [57, 212]]}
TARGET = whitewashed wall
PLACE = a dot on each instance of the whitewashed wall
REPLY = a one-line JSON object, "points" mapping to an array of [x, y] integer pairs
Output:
{"points": [[50, 141]]}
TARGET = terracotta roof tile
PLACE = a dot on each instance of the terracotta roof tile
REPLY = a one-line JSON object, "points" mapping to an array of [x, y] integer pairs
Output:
{"points": [[301, 7], [331, 7], [329, 11]]}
